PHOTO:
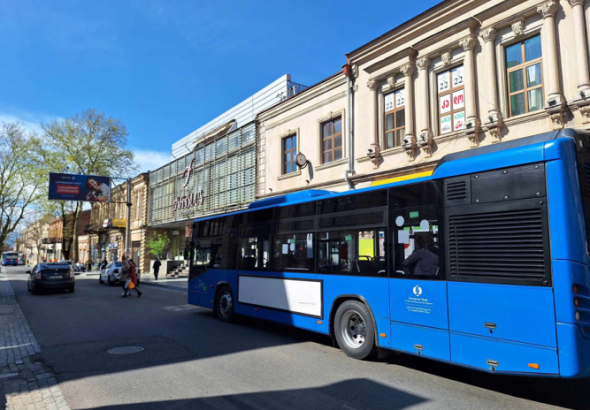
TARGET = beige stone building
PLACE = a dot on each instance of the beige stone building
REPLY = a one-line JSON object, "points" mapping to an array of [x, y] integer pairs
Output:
{"points": [[106, 231], [463, 74]]}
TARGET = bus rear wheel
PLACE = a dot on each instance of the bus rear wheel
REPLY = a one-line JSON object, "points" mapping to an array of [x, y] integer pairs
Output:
{"points": [[354, 330], [224, 304]]}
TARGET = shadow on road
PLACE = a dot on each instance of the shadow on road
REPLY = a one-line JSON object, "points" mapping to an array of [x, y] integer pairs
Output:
{"points": [[350, 394], [173, 332]]}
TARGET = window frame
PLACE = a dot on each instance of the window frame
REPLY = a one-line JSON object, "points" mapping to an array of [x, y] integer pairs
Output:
{"points": [[293, 151], [332, 138], [450, 92], [522, 67], [355, 230], [395, 111]]}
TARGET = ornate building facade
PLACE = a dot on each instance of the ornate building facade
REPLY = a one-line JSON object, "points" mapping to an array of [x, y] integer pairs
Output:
{"points": [[463, 74]]}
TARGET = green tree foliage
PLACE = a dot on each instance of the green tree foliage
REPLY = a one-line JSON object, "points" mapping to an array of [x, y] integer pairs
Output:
{"points": [[89, 143], [157, 243], [20, 178]]}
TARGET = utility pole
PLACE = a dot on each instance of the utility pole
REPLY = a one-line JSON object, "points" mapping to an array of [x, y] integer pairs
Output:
{"points": [[128, 227]]}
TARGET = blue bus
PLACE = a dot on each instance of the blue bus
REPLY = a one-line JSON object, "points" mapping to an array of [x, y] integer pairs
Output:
{"points": [[9, 258], [483, 264]]}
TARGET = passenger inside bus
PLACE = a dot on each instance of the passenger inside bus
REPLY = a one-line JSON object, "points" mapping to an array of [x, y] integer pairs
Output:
{"points": [[424, 260]]}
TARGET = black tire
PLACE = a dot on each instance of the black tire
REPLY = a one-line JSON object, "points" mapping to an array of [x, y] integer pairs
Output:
{"points": [[28, 286], [354, 330], [34, 289], [109, 281], [100, 281], [224, 304], [72, 289]]}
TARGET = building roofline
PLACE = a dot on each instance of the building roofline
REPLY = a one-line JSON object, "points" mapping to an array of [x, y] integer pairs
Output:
{"points": [[341, 71], [399, 27]]}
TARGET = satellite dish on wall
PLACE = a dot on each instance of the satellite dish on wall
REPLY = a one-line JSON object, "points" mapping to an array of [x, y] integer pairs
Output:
{"points": [[301, 160]]}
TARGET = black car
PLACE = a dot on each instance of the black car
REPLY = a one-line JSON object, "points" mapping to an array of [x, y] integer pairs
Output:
{"points": [[51, 276]]}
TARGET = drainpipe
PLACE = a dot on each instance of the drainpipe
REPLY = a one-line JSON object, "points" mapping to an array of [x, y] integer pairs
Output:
{"points": [[350, 167]]}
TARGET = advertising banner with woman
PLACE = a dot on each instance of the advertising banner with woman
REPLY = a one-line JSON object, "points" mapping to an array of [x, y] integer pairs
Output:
{"points": [[67, 187]]}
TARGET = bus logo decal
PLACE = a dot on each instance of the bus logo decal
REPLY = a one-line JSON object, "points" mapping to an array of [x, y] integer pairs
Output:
{"points": [[417, 290]]}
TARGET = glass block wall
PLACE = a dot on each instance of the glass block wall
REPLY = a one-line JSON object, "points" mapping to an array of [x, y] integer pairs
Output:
{"points": [[223, 171]]}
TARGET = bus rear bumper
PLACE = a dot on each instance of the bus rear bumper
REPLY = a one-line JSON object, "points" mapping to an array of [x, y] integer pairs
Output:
{"points": [[574, 351]]}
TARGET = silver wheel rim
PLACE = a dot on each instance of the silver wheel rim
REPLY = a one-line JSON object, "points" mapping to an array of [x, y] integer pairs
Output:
{"points": [[225, 304], [353, 329]]}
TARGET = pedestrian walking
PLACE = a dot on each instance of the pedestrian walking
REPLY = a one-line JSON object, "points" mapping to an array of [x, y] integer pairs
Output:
{"points": [[124, 271], [89, 264], [157, 265], [103, 264], [131, 282]]}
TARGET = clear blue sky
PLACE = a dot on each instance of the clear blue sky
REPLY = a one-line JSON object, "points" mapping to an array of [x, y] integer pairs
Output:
{"points": [[166, 67]]}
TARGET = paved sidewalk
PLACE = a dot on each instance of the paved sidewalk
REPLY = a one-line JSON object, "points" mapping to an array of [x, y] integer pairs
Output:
{"points": [[171, 283], [24, 384]]}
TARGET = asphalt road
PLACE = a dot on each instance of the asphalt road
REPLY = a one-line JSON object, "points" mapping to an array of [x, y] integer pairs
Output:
{"points": [[193, 361]]}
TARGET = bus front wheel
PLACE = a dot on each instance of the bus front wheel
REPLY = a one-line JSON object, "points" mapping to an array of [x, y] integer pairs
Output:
{"points": [[224, 304], [354, 330]]}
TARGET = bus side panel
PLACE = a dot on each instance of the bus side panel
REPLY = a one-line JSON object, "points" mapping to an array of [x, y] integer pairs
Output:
{"points": [[566, 212], [201, 289], [280, 294], [510, 312], [374, 290], [503, 356], [565, 275], [421, 340], [574, 360]]}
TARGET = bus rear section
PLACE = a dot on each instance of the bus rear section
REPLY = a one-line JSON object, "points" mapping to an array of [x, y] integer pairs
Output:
{"points": [[10, 258]]}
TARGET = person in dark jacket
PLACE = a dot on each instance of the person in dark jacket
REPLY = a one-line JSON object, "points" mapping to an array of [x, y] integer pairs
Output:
{"points": [[424, 259], [157, 265], [103, 264]]}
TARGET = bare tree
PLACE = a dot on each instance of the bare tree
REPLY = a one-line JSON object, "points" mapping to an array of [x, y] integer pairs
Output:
{"points": [[89, 143], [20, 178]]}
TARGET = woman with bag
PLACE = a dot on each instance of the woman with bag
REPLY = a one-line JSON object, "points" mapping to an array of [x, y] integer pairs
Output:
{"points": [[131, 282]]}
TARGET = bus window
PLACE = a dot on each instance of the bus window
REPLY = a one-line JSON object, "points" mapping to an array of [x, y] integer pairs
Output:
{"points": [[294, 251], [416, 242], [254, 253], [356, 252]]}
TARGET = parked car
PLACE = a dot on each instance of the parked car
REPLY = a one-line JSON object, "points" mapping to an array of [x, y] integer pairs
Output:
{"points": [[51, 276], [111, 274]]}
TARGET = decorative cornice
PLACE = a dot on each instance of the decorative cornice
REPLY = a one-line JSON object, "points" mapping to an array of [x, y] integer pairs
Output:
{"points": [[446, 58], [518, 27], [423, 63], [547, 9], [488, 34], [468, 43], [407, 70], [574, 3], [372, 84]]}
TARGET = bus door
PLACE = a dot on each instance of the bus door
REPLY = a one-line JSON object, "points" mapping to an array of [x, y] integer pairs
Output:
{"points": [[501, 302], [418, 293]]}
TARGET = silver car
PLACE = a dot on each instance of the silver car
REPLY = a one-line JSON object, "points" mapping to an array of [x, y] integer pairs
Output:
{"points": [[111, 274]]}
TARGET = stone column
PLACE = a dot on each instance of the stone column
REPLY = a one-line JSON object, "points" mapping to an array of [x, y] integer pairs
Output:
{"points": [[408, 72], [581, 52], [426, 137], [494, 121], [472, 124], [375, 147], [554, 103]]}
